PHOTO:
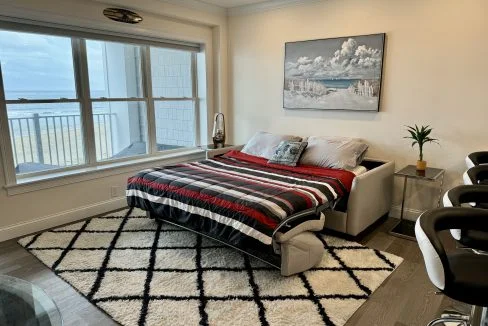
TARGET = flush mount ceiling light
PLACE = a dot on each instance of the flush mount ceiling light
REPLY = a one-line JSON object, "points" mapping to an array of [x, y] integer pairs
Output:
{"points": [[122, 15]]}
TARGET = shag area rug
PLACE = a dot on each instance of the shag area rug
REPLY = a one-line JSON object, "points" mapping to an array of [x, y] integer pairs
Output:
{"points": [[141, 272]]}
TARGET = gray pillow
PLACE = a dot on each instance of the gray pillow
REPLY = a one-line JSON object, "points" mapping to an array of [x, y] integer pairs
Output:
{"points": [[264, 144], [288, 153], [334, 152]]}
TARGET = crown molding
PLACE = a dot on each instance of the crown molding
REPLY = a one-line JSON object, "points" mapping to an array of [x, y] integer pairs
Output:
{"points": [[198, 5], [267, 6], [240, 10]]}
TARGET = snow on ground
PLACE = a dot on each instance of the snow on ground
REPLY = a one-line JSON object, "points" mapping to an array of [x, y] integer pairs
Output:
{"points": [[340, 99]]}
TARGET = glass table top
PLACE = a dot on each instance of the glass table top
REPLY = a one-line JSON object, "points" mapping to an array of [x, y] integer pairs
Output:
{"points": [[212, 146], [410, 171], [23, 303]]}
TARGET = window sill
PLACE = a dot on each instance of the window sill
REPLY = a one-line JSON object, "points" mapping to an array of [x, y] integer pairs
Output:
{"points": [[31, 184]]}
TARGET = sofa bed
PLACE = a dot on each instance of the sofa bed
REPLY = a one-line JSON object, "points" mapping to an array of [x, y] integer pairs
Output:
{"points": [[269, 197]]}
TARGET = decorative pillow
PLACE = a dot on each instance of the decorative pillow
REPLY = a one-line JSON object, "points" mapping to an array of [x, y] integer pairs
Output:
{"points": [[288, 153], [264, 144], [334, 152]]}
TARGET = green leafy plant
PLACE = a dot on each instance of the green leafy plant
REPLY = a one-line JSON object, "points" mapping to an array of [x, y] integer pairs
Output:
{"points": [[420, 136]]}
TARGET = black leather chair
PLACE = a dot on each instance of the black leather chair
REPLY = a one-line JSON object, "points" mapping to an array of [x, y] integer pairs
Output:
{"points": [[477, 197], [477, 158], [462, 274], [474, 193], [477, 175]]}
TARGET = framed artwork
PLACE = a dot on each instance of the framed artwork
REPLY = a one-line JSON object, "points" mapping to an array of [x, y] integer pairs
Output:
{"points": [[334, 74]]}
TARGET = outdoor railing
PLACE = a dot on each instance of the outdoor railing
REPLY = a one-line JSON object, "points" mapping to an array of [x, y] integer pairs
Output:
{"points": [[57, 139]]}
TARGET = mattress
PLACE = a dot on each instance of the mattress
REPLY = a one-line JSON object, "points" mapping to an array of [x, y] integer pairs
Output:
{"points": [[358, 170], [237, 198]]}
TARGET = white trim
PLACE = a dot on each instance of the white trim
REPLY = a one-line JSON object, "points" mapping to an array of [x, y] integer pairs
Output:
{"points": [[54, 220], [82, 81], [433, 263], [466, 178], [240, 10], [146, 73], [267, 6], [96, 172], [469, 163], [408, 213], [198, 5], [6, 150], [90, 33]]}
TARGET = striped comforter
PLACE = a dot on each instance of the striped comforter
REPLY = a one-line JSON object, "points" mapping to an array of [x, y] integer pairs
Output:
{"points": [[237, 198]]}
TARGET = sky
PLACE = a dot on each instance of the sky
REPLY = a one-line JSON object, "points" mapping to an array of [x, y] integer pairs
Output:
{"points": [[357, 57], [36, 62]]}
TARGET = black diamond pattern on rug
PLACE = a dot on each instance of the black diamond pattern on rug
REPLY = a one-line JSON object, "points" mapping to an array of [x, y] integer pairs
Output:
{"points": [[141, 272]]}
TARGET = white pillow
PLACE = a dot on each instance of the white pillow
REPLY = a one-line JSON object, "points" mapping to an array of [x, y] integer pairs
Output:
{"points": [[334, 152], [264, 144]]}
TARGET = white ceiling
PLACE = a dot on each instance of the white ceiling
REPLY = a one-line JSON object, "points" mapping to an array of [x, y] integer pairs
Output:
{"points": [[232, 3]]}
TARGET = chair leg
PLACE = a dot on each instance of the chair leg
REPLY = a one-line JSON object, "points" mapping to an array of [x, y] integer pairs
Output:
{"points": [[443, 320], [484, 317], [452, 313], [478, 316]]}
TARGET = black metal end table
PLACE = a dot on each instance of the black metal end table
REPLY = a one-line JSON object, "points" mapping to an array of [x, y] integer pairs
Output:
{"points": [[406, 228]]}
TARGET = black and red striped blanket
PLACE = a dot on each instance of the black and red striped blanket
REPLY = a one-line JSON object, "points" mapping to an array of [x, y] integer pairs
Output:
{"points": [[235, 197]]}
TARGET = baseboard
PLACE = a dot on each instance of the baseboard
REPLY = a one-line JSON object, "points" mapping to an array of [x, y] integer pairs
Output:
{"points": [[50, 221], [408, 213]]}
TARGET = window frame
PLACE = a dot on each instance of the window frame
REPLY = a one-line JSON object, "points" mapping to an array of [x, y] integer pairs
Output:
{"points": [[82, 84]]}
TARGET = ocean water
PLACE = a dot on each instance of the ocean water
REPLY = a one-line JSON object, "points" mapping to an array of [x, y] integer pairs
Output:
{"points": [[338, 83], [50, 109]]}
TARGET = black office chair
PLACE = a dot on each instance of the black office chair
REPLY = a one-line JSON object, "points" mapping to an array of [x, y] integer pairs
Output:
{"points": [[477, 158], [461, 275]]}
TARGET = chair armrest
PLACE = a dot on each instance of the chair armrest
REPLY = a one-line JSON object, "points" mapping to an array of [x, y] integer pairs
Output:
{"points": [[476, 175], [477, 158], [370, 197], [465, 194], [446, 218]]}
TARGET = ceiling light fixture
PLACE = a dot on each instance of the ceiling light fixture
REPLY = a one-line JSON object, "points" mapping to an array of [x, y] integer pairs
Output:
{"points": [[122, 15]]}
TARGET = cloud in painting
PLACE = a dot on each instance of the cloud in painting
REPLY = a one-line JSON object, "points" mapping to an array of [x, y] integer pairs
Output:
{"points": [[351, 61]]}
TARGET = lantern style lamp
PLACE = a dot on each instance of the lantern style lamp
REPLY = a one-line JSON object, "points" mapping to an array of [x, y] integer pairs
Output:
{"points": [[218, 135]]}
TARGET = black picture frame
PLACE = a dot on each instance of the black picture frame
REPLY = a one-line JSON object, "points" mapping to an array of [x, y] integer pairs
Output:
{"points": [[379, 38]]}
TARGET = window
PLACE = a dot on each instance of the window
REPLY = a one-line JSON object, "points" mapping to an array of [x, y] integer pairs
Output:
{"points": [[117, 100], [173, 92], [43, 107], [75, 102]]}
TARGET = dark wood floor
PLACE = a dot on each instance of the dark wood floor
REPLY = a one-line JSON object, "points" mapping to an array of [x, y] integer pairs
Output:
{"points": [[406, 298]]}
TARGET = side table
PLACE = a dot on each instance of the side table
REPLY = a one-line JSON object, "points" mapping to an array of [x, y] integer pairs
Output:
{"points": [[406, 228], [211, 150]]}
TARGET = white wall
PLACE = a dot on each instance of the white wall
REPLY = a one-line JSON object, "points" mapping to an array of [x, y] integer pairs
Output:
{"points": [[435, 72], [33, 211]]}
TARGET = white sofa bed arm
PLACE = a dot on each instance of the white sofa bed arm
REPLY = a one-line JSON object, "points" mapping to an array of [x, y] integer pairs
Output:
{"points": [[370, 197]]}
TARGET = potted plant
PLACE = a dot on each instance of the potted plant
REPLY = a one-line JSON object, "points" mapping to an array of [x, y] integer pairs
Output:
{"points": [[420, 137]]}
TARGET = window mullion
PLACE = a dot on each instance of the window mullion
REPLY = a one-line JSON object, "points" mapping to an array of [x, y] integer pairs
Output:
{"points": [[5, 138], [148, 94], [83, 89], [196, 102]]}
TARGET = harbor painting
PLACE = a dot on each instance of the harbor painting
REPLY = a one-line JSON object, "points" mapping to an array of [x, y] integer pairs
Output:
{"points": [[334, 74]]}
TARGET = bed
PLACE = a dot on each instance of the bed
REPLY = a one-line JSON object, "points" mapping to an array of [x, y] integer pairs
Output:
{"points": [[269, 211]]}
